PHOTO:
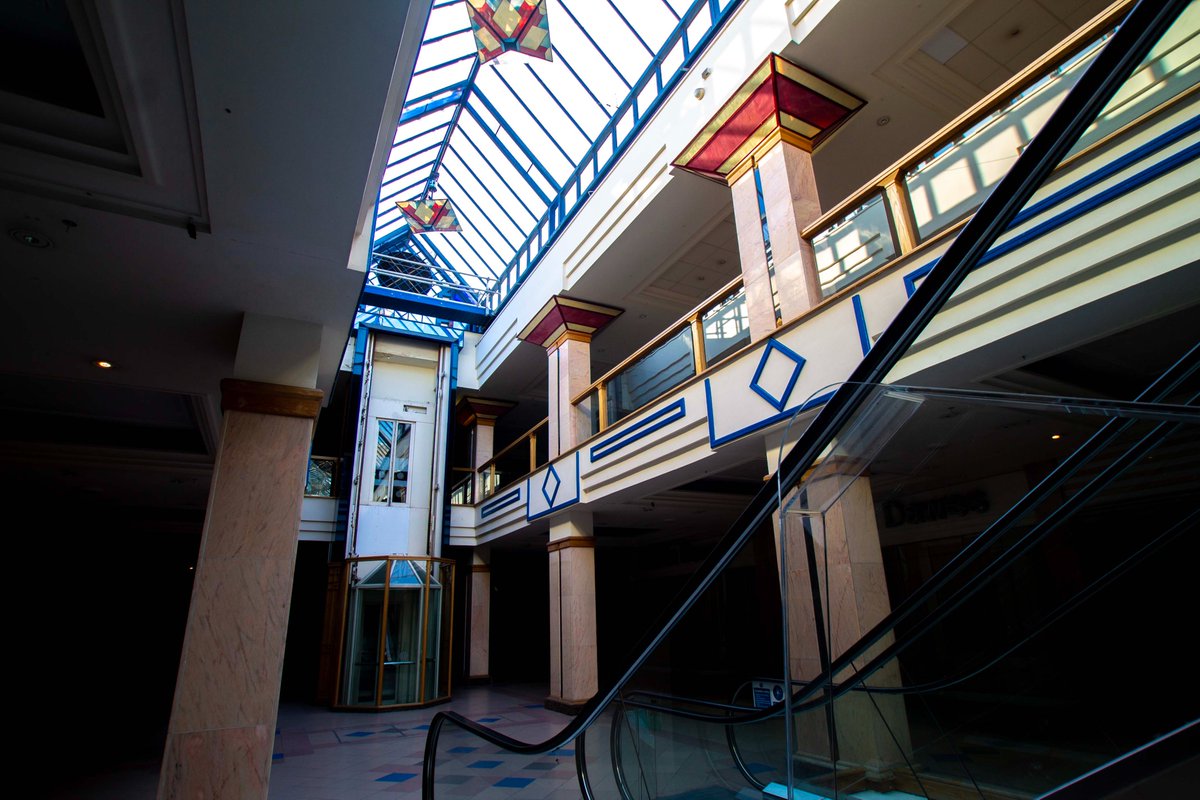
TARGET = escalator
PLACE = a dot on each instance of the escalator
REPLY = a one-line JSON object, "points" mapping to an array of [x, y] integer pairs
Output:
{"points": [[1013, 623]]}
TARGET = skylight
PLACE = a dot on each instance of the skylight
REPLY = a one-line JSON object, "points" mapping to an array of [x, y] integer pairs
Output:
{"points": [[514, 143]]}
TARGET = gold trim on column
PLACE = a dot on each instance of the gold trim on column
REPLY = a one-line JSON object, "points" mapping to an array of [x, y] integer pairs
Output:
{"points": [[569, 542], [270, 398], [569, 336]]}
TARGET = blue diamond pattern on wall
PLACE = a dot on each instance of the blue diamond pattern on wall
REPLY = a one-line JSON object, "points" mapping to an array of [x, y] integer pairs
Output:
{"points": [[550, 485], [777, 373]]}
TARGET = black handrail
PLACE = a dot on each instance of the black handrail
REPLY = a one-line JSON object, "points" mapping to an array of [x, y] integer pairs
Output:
{"points": [[1144, 25]]}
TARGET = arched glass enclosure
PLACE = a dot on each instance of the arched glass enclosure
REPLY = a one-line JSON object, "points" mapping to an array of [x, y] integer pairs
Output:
{"points": [[396, 641]]}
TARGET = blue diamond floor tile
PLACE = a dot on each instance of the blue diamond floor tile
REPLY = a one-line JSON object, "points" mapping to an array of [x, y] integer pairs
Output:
{"points": [[488, 719], [396, 777], [361, 733], [485, 764], [463, 749], [513, 783], [540, 765]]}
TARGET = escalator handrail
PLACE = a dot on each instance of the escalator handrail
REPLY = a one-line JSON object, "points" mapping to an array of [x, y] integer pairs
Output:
{"points": [[1142, 27]]}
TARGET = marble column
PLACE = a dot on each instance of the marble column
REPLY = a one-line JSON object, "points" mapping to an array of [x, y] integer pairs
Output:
{"points": [[481, 618], [570, 374], [573, 655], [480, 414], [565, 327], [838, 510], [759, 143], [778, 267], [222, 728]]}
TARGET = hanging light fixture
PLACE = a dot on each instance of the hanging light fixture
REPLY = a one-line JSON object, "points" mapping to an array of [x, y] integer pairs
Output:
{"points": [[501, 26], [430, 215]]}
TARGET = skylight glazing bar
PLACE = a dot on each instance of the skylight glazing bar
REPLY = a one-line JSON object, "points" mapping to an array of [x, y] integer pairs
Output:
{"points": [[588, 36], [483, 261], [444, 64], [415, 153], [516, 139], [471, 227], [632, 30], [469, 197], [485, 188], [517, 96], [491, 165], [440, 37], [560, 57], [405, 174], [558, 102], [416, 136], [551, 223]]}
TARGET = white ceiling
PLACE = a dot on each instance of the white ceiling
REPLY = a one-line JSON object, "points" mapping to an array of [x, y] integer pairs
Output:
{"points": [[243, 151]]}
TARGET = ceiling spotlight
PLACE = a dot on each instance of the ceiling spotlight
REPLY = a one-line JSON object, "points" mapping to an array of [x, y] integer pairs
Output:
{"points": [[29, 238], [884, 120], [102, 364], [1056, 436]]}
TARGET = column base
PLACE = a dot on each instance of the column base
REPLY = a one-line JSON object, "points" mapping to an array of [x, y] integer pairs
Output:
{"points": [[478, 680], [568, 707]]}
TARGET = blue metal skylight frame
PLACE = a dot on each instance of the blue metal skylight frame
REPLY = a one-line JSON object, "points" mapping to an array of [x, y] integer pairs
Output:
{"points": [[517, 175]]}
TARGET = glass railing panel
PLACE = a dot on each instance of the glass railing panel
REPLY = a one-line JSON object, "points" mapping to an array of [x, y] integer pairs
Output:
{"points": [[462, 493], [658, 371], [1000, 645], [726, 327], [1171, 69], [953, 181], [855, 245], [511, 465]]}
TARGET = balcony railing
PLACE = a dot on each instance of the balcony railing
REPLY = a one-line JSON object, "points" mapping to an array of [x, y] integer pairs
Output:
{"points": [[462, 492], [710, 332], [515, 461], [940, 183]]}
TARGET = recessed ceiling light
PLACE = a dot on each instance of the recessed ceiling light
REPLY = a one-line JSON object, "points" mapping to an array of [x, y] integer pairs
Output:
{"points": [[29, 238], [102, 364], [1056, 436]]}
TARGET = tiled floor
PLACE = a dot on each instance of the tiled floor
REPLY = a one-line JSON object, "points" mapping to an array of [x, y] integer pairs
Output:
{"points": [[327, 755], [322, 755]]}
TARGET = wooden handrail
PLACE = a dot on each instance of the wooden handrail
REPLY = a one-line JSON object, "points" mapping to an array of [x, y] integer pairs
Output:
{"points": [[523, 438], [698, 311], [1036, 70]]}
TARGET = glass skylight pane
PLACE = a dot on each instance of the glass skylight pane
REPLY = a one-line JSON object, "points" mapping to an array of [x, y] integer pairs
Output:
{"points": [[495, 131], [542, 146]]}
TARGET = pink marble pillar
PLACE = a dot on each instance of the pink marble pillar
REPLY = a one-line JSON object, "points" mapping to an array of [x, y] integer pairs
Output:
{"points": [[763, 135], [222, 728], [480, 414], [840, 512], [570, 375], [481, 617], [565, 327], [782, 289], [573, 665]]}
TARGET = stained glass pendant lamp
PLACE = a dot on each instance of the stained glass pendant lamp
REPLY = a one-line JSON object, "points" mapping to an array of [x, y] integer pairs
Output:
{"points": [[430, 215], [501, 26]]}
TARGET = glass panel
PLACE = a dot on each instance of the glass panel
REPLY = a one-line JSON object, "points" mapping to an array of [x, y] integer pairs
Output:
{"points": [[391, 462], [360, 668], [854, 245], [726, 327], [651, 376], [1169, 71], [319, 481], [383, 460], [402, 644], [953, 181]]}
